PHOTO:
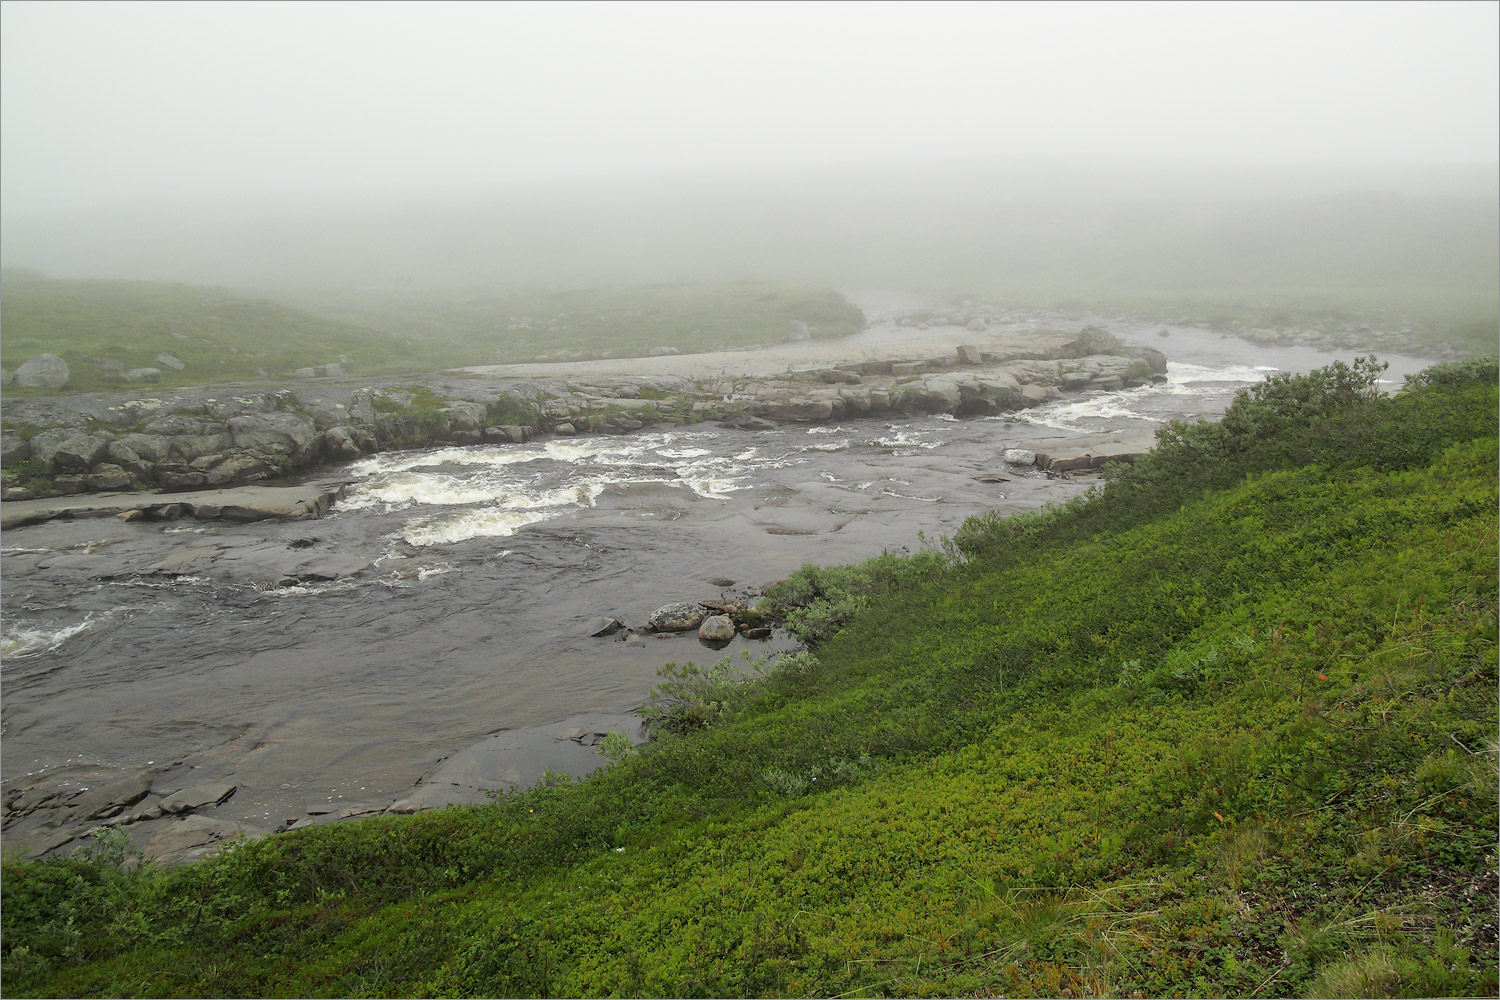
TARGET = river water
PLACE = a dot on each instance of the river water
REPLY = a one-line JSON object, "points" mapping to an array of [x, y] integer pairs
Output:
{"points": [[451, 594]]}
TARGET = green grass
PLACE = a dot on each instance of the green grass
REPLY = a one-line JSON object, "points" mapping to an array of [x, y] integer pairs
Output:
{"points": [[511, 324], [235, 337], [1225, 726]]}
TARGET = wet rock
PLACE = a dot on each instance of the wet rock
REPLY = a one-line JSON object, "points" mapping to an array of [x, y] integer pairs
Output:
{"points": [[341, 443], [745, 422], [45, 371], [167, 360], [565, 429], [679, 617], [717, 629], [758, 632], [605, 626], [112, 796], [465, 416], [197, 797]]}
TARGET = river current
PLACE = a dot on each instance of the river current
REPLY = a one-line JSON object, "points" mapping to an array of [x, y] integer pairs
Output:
{"points": [[451, 594]]}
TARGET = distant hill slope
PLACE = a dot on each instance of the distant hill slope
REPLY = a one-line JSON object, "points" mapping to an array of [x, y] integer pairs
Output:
{"points": [[218, 335], [1223, 727], [104, 328]]}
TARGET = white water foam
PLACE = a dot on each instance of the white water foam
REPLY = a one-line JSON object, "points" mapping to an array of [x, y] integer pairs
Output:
{"points": [[31, 640]]}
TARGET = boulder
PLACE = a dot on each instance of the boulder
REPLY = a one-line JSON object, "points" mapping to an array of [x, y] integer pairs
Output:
{"points": [[7, 376], [111, 796], [143, 375], [283, 433], [167, 360], [111, 367], [341, 443], [565, 429], [45, 371], [799, 409], [838, 376], [465, 416], [716, 629], [13, 449], [679, 617], [976, 325], [1091, 340], [108, 478], [605, 626], [968, 354], [148, 448], [78, 453], [1019, 456], [1034, 395]]}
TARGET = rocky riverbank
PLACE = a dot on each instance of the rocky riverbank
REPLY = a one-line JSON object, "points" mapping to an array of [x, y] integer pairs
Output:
{"points": [[212, 438]]}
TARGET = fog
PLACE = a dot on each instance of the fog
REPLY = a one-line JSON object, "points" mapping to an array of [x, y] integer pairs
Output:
{"points": [[279, 145]]}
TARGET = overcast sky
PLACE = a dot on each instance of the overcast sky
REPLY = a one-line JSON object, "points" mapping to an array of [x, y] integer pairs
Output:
{"points": [[115, 103]]}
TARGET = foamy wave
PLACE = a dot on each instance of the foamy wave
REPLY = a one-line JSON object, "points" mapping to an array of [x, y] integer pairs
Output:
{"points": [[406, 461], [31, 640], [488, 522], [1184, 377]]}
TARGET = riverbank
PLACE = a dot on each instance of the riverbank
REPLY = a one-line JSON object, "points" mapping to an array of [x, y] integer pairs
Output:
{"points": [[232, 436]]}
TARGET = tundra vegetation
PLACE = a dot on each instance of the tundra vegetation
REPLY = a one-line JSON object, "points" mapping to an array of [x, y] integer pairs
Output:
{"points": [[103, 329], [1223, 726]]}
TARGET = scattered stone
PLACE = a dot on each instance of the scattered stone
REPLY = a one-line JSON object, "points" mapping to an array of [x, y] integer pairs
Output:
{"points": [[838, 376], [759, 632], [976, 325], [678, 617], [110, 797], [167, 360], [968, 354], [720, 581], [717, 629], [45, 371]]}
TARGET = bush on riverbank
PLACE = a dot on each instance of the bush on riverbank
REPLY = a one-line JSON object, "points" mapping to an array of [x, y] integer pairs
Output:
{"points": [[1226, 726]]}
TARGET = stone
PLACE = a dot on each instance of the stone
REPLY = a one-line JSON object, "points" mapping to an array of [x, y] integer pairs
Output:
{"points": [[13, 449], [968, 354], [341, 443], [108, 478], [7, 376], [797, 410], [281, 433], [111, 367], [565, 429], [605, 626], [838, 376], [1034, 395], [1074, 381], [143, 375], [168, 360], [45, 371], [78, 453], [197, 797], [679, 617], [976, 325], [718, 628], [905, 369], [1019, 456], [111, 796], [465, 416], [745, 422]]}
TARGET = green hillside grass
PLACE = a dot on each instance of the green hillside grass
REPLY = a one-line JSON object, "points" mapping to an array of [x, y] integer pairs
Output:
{"points": [[1225, 726], [225, 336]]}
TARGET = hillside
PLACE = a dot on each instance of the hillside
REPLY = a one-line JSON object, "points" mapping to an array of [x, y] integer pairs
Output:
{"points": [[104, 329], [1226, 726]]}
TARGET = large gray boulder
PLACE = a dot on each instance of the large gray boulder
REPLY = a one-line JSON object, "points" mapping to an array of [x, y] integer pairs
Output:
{"points": [[148, 448], [167, 360], [679, 617], [716, 629], [291, 434], [13, 449], [45, 371], [465, 416], [143, 375], [78, 453]]}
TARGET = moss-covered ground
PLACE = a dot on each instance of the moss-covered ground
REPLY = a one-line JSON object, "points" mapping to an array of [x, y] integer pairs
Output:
{"points": [[1224, 727]]}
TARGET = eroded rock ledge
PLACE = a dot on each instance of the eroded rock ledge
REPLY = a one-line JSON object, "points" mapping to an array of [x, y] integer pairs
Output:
{"points": [[215, 438]]}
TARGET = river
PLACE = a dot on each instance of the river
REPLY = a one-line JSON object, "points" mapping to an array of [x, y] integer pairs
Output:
{"points": [[451, 594]]}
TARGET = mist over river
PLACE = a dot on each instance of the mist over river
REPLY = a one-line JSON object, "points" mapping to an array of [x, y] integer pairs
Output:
{"points": [[451, 594]]}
